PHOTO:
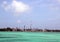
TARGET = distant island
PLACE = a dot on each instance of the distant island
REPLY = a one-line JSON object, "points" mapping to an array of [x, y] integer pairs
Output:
{"points": [[27, 30]]}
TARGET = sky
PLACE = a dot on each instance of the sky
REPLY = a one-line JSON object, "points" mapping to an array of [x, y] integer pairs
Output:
{"points": [[43, 14]]}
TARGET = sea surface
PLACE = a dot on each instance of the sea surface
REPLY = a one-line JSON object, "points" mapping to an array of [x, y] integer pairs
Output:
{"points": [[29, 36]]}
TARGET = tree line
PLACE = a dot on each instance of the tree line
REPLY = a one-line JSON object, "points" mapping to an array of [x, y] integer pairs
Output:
{"points": [[28, 30]]}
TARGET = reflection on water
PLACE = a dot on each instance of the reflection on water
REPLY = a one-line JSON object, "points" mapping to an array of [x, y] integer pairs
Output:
{"points": [[7, 37], [29, 37]]}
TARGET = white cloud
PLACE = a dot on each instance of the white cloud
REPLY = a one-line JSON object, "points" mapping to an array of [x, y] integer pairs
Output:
{"points": [[58, 1], [18, 21], [16, 7], [51, 5], [35, 3], [55, 8], [5, 5], [4, 2]]}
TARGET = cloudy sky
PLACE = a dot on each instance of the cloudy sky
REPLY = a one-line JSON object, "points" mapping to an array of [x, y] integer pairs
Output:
{"points": [[39, 13]]}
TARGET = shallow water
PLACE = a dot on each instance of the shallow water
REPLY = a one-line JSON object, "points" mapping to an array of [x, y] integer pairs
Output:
{"points": [[29, 37]]}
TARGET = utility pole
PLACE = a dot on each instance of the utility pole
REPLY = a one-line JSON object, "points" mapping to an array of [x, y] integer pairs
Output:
{"points": [[24, 27], [30, 26]]}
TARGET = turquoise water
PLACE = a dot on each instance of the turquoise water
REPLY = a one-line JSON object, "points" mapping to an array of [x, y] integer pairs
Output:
{"points": [[29, 37]]}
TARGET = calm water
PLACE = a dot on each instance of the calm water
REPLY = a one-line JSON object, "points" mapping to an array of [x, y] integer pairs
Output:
{"points": [[29, 37]]}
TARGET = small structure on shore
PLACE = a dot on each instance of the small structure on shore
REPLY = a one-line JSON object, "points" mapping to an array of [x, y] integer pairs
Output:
{"points": [[27, 30]]}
